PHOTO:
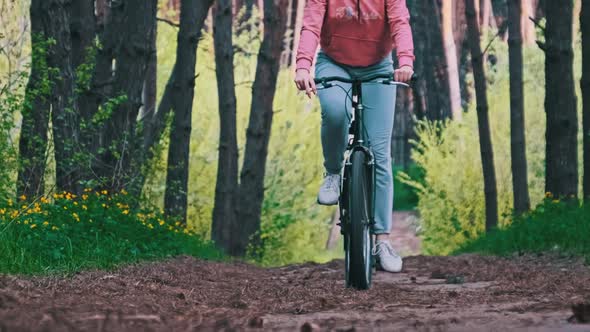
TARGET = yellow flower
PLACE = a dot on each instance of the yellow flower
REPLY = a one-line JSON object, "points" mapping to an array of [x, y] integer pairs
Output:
{"points": [[177, 223], [44, 200], [24, 207], [2, 211], [126, 212], [26, 222], [23, 197], [104, 192], [123, 191], [45, 223], [14, 214], [150, 226], [84, 197], [29, 211], [185, 231], [548, 194], [161, 222], [9, 202], [76, 216], [54, 228], [170, 228], [65, 207], [84, 207], [87, 190], [104, 205], [555, 201], [33, 226]]}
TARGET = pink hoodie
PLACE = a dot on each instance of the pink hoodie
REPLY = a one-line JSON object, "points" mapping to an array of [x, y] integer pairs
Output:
{"points": [[353, 41]]}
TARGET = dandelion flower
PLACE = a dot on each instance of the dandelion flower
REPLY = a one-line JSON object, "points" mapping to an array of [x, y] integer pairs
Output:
{"points": [[126, 212], [33, 226], [23, 197], [45, 223], [84, 207], [104, 192], [84, 197]]}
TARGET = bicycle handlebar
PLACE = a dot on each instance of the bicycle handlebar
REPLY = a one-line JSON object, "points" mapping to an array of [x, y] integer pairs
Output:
{"points": [[389, 79]]}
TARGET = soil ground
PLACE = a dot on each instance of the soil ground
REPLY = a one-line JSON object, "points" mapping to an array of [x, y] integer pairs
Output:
{"points": [[462, 293]]}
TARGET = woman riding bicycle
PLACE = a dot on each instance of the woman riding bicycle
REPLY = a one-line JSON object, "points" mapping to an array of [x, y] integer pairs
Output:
{"points": [[356, 39]]}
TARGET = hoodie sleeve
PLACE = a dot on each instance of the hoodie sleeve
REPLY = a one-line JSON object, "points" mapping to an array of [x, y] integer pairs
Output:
{"points": [[313, 19], [399, 24]]}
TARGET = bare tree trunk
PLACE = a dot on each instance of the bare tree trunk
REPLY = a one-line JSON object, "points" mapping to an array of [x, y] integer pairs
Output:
{"points": [[225, 209], [64, 110], [561, 178], [82, 30], [132, 59], [157, 123], [585, 84], [192, 13], [35, 113], [517, 126], [297, 34], [485, 140], [484, 16], [451, 57], [528, 27], [431, 92], [251, 193], [150, 85]]}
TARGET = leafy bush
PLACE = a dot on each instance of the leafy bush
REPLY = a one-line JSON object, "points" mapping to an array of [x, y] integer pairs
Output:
{"points": [[451, 196], [66, 233], [552, 226]]}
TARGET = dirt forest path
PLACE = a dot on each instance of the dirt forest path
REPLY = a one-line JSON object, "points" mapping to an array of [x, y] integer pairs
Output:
{"points": [[463, 293]]}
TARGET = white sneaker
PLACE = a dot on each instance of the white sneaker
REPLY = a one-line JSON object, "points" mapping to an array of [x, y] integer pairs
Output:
{"points": [[330, 190], [388, 259]]}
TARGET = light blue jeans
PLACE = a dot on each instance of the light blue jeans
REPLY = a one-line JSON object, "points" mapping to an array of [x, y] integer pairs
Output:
{"points": [[379, 103]]}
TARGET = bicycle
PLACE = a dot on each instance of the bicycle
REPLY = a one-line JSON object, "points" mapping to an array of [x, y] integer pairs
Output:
{"points": [[357, 189]]}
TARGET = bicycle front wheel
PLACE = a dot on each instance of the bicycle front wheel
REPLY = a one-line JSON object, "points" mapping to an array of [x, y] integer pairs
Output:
{"points": [[360, 245]]}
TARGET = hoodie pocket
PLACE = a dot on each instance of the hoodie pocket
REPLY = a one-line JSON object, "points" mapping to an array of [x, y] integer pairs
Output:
{"points": [[355, 51]]}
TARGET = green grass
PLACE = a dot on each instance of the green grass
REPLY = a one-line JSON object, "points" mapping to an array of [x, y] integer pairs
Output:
{"points": [[67, 234], [552, 226]]}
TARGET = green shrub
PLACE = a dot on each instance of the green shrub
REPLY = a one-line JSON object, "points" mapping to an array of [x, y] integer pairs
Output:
{"points": [[96, 230], [451, 197], [552, 226]]}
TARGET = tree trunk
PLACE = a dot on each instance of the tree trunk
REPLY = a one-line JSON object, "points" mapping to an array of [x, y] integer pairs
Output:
{"points": [[251, 193], [82, 29], [431, 92], [131, 58], [297, 32], [192, 13], [64, 111], [451, 58], [484, 16], [224, 211], [529, 34], [585, 84], [150, 85], [485, 140], [35, 113], [517, 125], [561, 178]]}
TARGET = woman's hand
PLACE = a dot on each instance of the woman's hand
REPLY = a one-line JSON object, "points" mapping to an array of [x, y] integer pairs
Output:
{"points": [[404, 74], [305, 82]]}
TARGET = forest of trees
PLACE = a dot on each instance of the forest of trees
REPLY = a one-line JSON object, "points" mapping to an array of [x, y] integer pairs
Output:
{"points": [[93, 81]]}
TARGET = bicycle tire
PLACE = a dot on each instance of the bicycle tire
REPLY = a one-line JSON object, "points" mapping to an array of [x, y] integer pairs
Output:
{"points": [[359, 241]]}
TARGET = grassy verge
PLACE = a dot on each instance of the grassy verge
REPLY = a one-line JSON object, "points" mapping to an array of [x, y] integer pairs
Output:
{"points": [[552, 226], [65, 234]]}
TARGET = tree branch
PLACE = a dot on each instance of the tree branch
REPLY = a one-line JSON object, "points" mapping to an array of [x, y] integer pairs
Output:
{"points": [[169, 22]]}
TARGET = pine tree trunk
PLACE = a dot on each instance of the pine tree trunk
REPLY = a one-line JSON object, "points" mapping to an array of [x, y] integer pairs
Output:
{"points": [[192, 14], [82, 29], [528, 27], [561, 178], [451, 58], [64, 110], [585, 84], [132, 59], [431, 92], [225, 209], [297, 31], [251, 193], [517, 124], [33, 135], [485, 140]]}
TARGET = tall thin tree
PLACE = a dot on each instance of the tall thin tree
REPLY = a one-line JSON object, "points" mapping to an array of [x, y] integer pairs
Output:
{"points": [[35, 112], [192, 13], [585, 84], [517, 127], [451, 58], [485, 139], [225, 209], [251, 192], [561, 178]]}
